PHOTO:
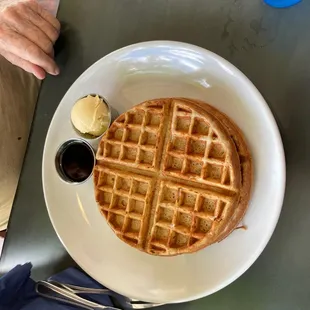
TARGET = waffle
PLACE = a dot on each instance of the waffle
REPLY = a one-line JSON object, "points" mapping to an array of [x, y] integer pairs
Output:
{"points": [[169, 176], [245, 165]]}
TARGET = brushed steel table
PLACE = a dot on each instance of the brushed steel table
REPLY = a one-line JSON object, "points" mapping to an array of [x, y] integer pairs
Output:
{"points": [[271, 46]]}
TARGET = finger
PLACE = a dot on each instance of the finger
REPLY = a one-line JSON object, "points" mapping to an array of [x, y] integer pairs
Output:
{"points": [[25, 65], [52, 54], [36, 19], [23, 26], [45, 14], [27, 50]]}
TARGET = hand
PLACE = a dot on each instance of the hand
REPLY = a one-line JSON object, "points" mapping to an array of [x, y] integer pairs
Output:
{"points": [[27, 37]]}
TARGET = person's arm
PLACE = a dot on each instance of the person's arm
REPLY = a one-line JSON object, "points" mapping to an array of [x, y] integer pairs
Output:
{"points": [[27, 36]]}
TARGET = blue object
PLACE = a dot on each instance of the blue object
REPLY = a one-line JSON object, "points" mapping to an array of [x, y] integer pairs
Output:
{"points": [[282, 3], [17, 290]]}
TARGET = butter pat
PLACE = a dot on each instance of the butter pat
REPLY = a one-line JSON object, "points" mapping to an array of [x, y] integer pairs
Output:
{"points": [[90, 115]]}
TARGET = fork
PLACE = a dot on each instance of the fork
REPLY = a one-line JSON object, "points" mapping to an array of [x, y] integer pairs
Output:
{"points": [[67, 293]]}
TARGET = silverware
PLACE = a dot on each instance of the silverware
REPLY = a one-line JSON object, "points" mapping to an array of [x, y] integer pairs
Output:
{"points": [[68, 293], [129, 303], [53, 292]]}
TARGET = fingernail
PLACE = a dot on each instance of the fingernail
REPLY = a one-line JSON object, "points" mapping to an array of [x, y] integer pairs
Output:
{"points": [[56, 71]]}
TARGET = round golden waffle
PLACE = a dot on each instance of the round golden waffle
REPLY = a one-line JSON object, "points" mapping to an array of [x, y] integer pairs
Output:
{"points": [[172, 176]]}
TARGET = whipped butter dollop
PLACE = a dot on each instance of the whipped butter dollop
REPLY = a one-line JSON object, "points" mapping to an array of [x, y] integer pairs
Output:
{"points": [[90, 115]]}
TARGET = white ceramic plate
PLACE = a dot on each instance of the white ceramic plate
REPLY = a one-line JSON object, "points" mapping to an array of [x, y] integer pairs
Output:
{"points": [[127, 77]]}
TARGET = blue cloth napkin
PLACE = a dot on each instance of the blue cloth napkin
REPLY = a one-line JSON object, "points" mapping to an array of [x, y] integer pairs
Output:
{"points": [[17, 290]]}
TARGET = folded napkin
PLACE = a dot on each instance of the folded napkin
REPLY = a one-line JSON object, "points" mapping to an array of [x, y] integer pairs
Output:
{"points": [[17, 290]]}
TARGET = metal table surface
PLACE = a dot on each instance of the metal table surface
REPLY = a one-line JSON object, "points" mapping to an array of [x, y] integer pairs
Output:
{"points": [[270, 46]]}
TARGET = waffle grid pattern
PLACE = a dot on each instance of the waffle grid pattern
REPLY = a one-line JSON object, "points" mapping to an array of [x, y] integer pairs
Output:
{"points": [[123, 201], [195, 150], [134, 139], [183, 216]]}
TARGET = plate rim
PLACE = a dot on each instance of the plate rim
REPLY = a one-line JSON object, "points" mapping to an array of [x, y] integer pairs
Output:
{"points": [[279, 146]]}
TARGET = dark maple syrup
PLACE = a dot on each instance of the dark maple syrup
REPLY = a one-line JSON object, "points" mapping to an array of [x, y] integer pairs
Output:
{"points": [[75, 161]]}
